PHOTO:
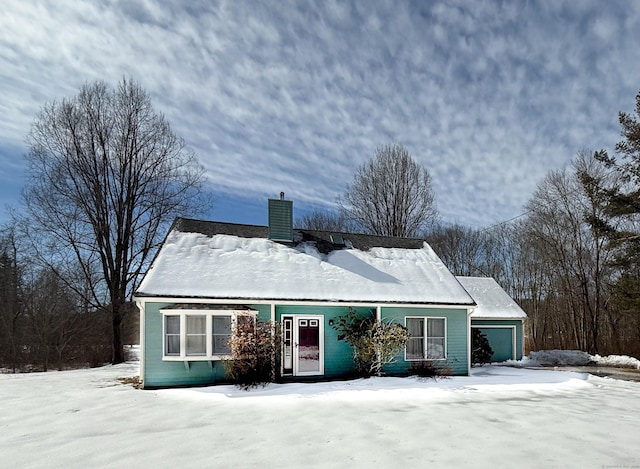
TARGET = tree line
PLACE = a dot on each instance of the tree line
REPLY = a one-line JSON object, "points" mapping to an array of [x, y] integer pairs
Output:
{"points": [[106, 175], [44, 323]]}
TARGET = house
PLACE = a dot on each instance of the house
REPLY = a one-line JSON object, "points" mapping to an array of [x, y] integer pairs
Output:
{"points": [[497, 316], [207, 276]]}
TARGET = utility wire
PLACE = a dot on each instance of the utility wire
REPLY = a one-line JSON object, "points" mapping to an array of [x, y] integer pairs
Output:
{"points": [[505, 221]]}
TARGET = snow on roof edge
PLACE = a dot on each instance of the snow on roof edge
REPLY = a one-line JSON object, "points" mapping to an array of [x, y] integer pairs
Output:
{"points": [[493, 302]]}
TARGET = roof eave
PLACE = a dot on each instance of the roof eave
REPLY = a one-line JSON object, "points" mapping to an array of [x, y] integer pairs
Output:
{"points": [[142, 295], [495, 318]]}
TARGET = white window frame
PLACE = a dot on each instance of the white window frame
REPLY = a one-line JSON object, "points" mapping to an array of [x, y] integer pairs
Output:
{"points": [[208, 314], [425, 347]]}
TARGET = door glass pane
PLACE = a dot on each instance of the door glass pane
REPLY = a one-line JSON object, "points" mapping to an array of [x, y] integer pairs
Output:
{"points": [[287, 345], [308, 347]]}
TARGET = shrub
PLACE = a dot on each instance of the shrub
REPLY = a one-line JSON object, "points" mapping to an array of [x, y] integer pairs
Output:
{"points": [[374, 343], [481, 351], [254, 353], [429, 369]]}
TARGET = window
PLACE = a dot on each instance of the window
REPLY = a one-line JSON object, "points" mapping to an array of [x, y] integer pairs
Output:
{"points": [[415, 344], [435, 338], [198, 334], [221, 333], [427, 339], [172, 335]]}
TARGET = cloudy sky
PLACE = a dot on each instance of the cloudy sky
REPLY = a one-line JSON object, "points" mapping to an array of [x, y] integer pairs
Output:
{"points": [[293, 96]]}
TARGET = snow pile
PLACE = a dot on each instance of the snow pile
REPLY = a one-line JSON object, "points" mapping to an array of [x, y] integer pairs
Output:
{"points": [[498, 417], [573, 358], [559, 358], [617, 361]]}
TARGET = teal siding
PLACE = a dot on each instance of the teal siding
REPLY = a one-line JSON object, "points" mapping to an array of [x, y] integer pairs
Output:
{"points": [[158, 373], [500, 337], [338, 355], [457, 337]]}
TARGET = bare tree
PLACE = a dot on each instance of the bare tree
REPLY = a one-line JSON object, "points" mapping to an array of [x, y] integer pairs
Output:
{"points": [[11, 310], [325, 221], [576, 253], [105, 174], [459, 247], [391, 195], [54, 317]]}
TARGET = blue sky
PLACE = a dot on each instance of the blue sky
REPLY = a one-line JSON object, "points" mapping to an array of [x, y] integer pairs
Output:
{"points": [[293, 96]]}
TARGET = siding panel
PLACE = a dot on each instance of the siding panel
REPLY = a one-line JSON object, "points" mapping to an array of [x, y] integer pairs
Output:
{"points": [[457, 349], [159, 373]]}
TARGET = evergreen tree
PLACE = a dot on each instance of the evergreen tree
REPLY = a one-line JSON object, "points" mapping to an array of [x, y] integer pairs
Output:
{"points": [[481, 350], [623, 209]]}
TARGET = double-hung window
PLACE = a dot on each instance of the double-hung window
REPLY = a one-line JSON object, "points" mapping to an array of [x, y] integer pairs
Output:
{"points": [[172, 335], [200, 334], [196, 335], [427, 338], [220, 335]]}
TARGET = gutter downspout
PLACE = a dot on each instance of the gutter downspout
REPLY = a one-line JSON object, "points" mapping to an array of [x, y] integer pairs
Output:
{"points": [[469, 344], [141, 309]]}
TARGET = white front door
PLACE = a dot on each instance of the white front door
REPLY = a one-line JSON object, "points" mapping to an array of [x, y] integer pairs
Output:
{"points": [[308, 345]]}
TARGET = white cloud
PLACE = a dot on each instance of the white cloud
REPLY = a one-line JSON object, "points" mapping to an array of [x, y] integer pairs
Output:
{"points": [[294, 96]]}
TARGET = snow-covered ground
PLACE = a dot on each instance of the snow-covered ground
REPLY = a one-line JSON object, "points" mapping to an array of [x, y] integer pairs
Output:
{"points": [[498, 417]]}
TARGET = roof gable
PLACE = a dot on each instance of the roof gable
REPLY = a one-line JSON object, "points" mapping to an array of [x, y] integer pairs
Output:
{"points": [[493, 302]]}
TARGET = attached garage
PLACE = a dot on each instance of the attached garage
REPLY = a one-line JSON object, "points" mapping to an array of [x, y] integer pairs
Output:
{"points": [[498, 317], [502, 338]]}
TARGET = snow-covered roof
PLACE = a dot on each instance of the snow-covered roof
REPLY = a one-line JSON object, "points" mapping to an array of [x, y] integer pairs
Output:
{"points": [[233, 267], [493, 302]]}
